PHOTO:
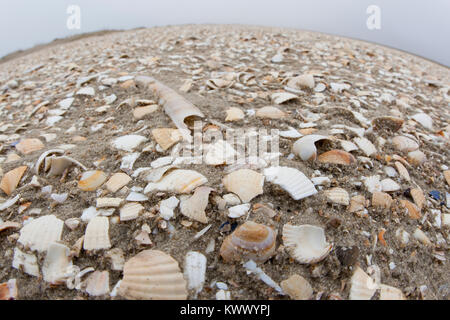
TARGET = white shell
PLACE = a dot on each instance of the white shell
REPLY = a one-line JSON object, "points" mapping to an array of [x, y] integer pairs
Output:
{"points": [[373, 183], [220, 152], [56, 263], [305, 146], [26, 261], [234, 114], [362, 287], [108, 202], [136, 196], [117, 258], [403, 143], [231, 199], [178, 181], [388, 185], [246, 183], [425, 120], [270, 113], [129, 142], [403, 172], [421, 236], [306, 243], [291, 133], [59, 164], [97, 284], [195, 206], [128, 162], [167, 206], [302, 81], [282, 97], [348, 145], [291, 180], [366, 146], [194, 271], [238, 211], [130, 211], [39, 233], [96, 236], [338, 195]]}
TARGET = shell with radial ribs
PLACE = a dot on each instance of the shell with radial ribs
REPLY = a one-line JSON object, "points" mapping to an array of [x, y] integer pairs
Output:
{"points": [[152, 275], [178, 181], [305, 147], [195, 206], [96, 236], [40, 232], [250, 241], [246, 183], [291, 180], [338, 195], [306, 243]]}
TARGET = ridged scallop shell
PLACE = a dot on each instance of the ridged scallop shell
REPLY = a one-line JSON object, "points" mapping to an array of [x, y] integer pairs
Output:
{"points": [[282, 97], [166, 137], [234, 114], [338, 195], [246, 183], [153, 275], [291, 180], [393, 124], [117, 181], [91, 180], [305, 147], [403, 143], [195, 206], [362, 287], [250, 241], [96, 236], [11, 179], [270, 113], [178, 181], [39, 233], [129, 142], [337, 157], [391, 293], [366, 146], [195, 270], [306, 243], [381, 200], [27, 146], [56, 263]]}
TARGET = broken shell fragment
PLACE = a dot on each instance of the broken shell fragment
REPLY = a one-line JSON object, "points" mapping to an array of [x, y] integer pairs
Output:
{"points": [[141, 112], [27, 146], [291, 180], [117, 258], [297, 287], [56, 263], [416, 158], [59, 164], [405, 144], [270, 113], [305, 146], [178, 181], [381, 200], [11, 179], [362, 287], [234, 114], [238, 211], [412, 210], [250, 240], [337, 157], [366, 146], [357, 204], [40, 232], [195, 270], [246, 183], [392, 124], [391, 293], [166, 137], [129, 142], [167, 206], [97, 284], [389, 185], [195, 206], [338, 195], [117, 181], [96, 236], [425, 120], [153, 275], [306, 243], [130, 211], [282, 97], [302, 81], [27, 262], [91, 180], [8, 290], [418, 197], [403, 172]]}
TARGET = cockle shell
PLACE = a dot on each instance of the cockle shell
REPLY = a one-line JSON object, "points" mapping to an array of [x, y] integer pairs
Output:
{"points": [[194, 271], [166, 137], [305, 146], [96, 236], [91, 180], [338, 195], [117, 181], [234, 114], [362, 287], [56, 263], [195, 206], [178, 181], [250, 241], [26, 262], [337, 157], [246, 183], [365, 145], [297, 287], [306, 243], [39, 233], [403, 143], [11, 179], [270, 113], [291, 180], [27, 146], [153, 275]]}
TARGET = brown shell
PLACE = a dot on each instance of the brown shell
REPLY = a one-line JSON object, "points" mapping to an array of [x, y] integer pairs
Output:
{"points": [[250, 240], [337, 157], [381, 200], [413, 210]]}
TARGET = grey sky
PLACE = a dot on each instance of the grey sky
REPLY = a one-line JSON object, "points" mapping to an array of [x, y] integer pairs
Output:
{"points": [[418, 26]]}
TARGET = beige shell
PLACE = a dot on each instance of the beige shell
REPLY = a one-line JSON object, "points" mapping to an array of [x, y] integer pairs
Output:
{"points": [[56, 263], [297, 287], [153, 275], [117, 258], [218, 83], [96, 236], [391, 293], [421, 236], [418, 197], [357, 204], [305, 147], [91, 180], [11, 179], [40, 232], [166, 137], [97, 284], [43, 156], [108, 202], [338, 195], [270, 113], [337, 157], [130, 211], [59, 164], [27, 146], [234, 114], [9, 225], [412, 210], [250, 241], [389, 185], [195, 206], [447, 176], [26, 262], [402, 171], [416, 157], [282, 97], [366, 146], [178, 181], [291, 180], [302, 81], [381, 200], [391, 123], [220, 152], [246, 183], [141, 112], [306, 243], [403, 143], [117, 181], [362, 286]]}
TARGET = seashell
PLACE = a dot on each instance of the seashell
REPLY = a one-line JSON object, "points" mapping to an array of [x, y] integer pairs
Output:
{"points": [[59, 164], [402, 171], [117, 258], [167, 206], [219, 83], [253, 268], [97, 284], [143, 238], [91, 180], [175, 106], [155, 175], [392, 124], [297, 287], [167, 137], [270, 113], [418, 197], [108, 202], [362, 286], [320, 87], [40, 232], [8, 290], [246, 183], [402, 236], [9, 225], [153, 275], [231, 199], [234, 114], [424, 120], [405, 144], [117, 181], [195, 206], [337, 157], [447, 176], [194, 271], [416, 158], [291, 133], [366, 146], [372, 183], [9, 203], [239, 210], [306, 243], [282, 97], [291, 180], [141, 112], [302, 81], [381, 200], [12, 157], [338, 195], [220, 152], [130, 211], [26, 262], [178, 181], [339, 87], [411, 208], [161, 162], [43, 156], [187, 85], [128, 161], [357, 204], [391, 293], [388, 185], [29, 145], [72, 223], [129, 142], [56, 263], [421, 236], [305, 146], [250, 241], [11, 179], [86, 91], [136, 196], [348, 145], [96, 236]]}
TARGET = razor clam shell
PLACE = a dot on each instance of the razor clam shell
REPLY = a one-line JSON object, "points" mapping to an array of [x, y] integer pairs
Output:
{"points": [[26, 262], [96, 236], [195, 206], [305, 146], [153, 275], [246, 183], [39, 233], [195, 271], [178, 181], [306, 243], [56, 263], [291, 180], [362, 287], [338, 195]]}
